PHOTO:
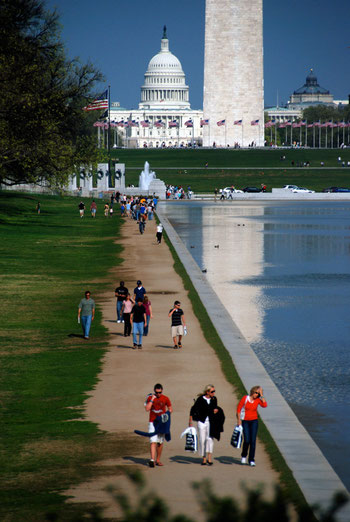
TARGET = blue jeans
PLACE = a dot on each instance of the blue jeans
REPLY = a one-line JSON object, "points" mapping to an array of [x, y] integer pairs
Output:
{"points": [[119, 310], [250, 430], [145, 330], [137, 329], [86, 324]]}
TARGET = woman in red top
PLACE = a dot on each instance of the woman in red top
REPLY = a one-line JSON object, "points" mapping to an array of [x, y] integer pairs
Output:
{"points": [[247, 416]]}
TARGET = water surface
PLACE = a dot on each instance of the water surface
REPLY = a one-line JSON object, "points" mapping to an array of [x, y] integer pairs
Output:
{"points": [[282, 270]]}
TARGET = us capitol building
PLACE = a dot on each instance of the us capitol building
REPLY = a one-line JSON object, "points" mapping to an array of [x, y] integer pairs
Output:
{"points": [[164, 117]]}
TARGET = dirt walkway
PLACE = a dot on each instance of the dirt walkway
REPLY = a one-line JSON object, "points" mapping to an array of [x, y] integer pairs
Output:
{"points": [[128, 376]]}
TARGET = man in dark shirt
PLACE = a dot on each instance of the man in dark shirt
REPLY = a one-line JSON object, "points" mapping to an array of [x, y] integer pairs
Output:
{"points": [[121, 292], [139, 291], [138, 320], [178, 323]]}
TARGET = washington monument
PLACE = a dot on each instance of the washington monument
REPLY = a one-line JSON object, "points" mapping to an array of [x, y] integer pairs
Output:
{"points": [[233, 73]]}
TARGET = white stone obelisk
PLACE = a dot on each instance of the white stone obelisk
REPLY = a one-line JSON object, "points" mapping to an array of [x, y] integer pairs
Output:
{"points": [[233, 73]]}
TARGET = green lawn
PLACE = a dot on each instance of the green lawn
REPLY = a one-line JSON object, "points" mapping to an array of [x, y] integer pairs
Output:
{"points": [[241, 168], [47, 261]]}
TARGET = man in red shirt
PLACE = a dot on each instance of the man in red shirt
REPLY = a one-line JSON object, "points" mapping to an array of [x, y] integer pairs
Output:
{"points": [[157, 404]]}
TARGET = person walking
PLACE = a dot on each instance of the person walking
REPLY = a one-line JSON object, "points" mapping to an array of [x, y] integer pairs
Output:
{"points": [[138, 321], [93, 209], [121, 292], [203, 411], [159, 233], [178, 324], [139, 291], [86, 313], [81, 207], [126, 312], [106, 210], [157, 404], [247, 416], [148, 306]]}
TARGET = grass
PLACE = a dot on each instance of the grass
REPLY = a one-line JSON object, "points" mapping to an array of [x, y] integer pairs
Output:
{"points": [[278, 462], [241, 168], [47, 261]]}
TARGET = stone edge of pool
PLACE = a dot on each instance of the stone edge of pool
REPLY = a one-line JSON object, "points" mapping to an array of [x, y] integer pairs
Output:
{"points": [[313, 473]]}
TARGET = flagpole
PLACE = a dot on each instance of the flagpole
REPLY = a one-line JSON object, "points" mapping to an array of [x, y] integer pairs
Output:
{"points": [[305, 133], [109, 134], [242, 134]]}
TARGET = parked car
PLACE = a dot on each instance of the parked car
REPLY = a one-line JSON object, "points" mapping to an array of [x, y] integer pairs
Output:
{"points": [[336, 189], [290, 187], [251, 189], [228, 190], [302, 190]]}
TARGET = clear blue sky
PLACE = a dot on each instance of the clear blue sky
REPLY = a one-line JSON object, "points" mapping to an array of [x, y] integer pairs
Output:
{"points": [[120, 37]]}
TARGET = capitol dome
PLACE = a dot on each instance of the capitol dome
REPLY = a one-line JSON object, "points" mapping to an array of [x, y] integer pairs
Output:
{"points": [[165, 82]]}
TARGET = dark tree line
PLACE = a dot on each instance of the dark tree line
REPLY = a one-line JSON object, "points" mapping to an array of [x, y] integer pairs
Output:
{"points": [[43, 131]]}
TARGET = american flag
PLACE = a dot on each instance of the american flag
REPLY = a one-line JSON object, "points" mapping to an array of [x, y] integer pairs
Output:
{"points": [[144, 123], [98, 124], [204, 122], [269, 124], [254, 122], [133, 123], [173, 124], [302, 123], [189, 123], [221, 122], [288, 123], [237, 122], [100, 103], [317, 124], [310, 125], [282, 126], [296, 125], [159, 123], [113, 123], [121, 123]]}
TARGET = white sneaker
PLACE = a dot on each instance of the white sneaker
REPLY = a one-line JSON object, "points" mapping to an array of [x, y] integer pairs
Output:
{"points": [[119, 321], [252, 463], [243, 460]]}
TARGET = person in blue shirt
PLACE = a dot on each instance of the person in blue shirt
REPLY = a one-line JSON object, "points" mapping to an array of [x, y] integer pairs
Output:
{"points": [[139, 291]]}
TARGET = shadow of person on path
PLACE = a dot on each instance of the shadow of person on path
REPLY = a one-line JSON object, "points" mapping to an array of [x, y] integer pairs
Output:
{"points": [[137, 460], [76, 335], [166, 346], [124, 346], [184, 459], [228, 460]]}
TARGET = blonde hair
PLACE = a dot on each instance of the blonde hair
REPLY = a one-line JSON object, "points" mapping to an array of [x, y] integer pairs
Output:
{"points": [[254, 389], [207, 388]]}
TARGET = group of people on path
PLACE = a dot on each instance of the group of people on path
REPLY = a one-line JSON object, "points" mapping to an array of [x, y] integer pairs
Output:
{"points": [[210, 420], [135, 312]]}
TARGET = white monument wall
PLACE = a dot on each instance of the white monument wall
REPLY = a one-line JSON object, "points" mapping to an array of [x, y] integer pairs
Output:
{"points": [[233, 72]]}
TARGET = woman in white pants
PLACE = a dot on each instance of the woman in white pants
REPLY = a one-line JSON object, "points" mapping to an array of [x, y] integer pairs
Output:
{"points": [[203, 411]]}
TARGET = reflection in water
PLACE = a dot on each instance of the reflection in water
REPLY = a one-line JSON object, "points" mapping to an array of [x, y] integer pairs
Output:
{"points": [[283, 273]]}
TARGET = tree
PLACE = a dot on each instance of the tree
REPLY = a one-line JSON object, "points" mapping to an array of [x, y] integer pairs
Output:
{"points": [[43, 130]]}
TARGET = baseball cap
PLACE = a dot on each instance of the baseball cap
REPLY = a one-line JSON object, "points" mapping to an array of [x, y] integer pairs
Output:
{"points": [[139, 282]]}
